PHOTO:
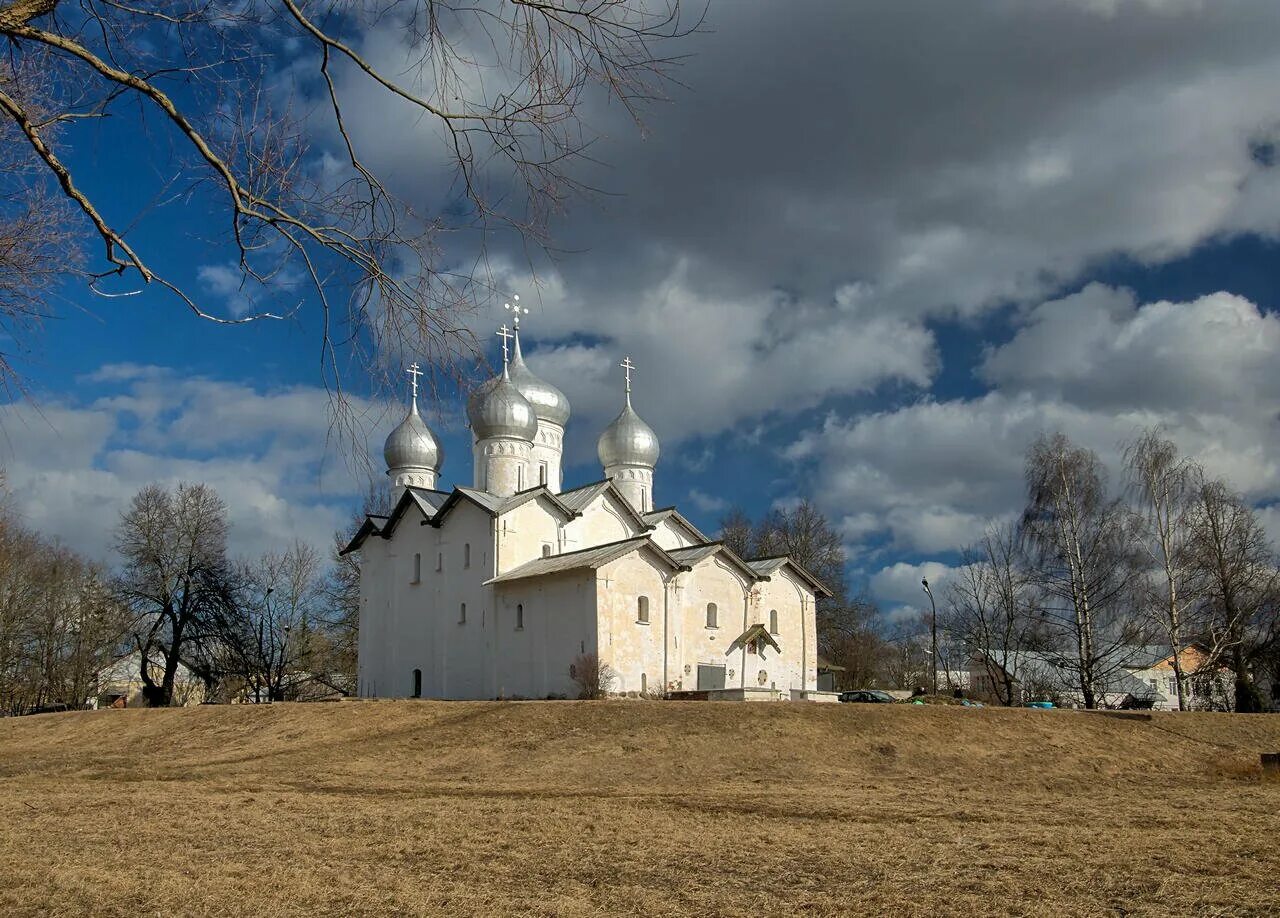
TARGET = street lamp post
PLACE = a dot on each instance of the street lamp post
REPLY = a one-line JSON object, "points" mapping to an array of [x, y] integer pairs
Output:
{"points": [[933, 628]]}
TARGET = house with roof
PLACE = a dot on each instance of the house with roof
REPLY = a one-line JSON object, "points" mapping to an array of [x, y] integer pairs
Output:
{"points": [[1050, 676], [504, 587]]}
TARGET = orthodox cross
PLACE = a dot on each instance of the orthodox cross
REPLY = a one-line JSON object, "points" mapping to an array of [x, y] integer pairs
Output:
{"points": [[627, 367], [414, 373], [505, 334], [516, 310]]}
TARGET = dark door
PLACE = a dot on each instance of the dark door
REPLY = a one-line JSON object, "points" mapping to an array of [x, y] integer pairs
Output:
{"points": [[710, 677]]}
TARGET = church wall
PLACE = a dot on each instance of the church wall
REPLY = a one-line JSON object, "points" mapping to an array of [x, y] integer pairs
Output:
{"points": [[631, 648], [602, 521], [559, 624], [523, 532], [417, 625], [669, 535], [710, 581], [797, 630]]}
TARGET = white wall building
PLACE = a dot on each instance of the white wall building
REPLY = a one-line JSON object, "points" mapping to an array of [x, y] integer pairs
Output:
{"points": [[496, 590]]}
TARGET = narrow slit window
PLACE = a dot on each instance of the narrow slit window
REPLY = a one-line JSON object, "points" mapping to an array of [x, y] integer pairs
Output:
{"points": [[462, 614], [519, 616], [439, 561], [466, 555], [642, 610], [712, 615], [417, 683], [773, 621], [417, 568], [542, 474]]}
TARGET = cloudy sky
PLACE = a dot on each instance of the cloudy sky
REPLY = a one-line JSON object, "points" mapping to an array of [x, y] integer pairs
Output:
{"points": [[864, 254]]}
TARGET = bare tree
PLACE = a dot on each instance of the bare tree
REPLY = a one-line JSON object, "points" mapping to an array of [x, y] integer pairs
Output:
{"points": [[59, 627], [249, 109], [594, 678], [993, 608], [1234, 556], [270, 634], [1164, 487], [176, 579], [1080, 543]]}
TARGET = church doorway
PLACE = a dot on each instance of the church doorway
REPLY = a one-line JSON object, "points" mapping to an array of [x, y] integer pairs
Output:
{"points": [[710, 677]]}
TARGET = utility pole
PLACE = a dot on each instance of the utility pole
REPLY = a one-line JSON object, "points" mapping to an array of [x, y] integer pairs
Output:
{"points": [[933, 628]]}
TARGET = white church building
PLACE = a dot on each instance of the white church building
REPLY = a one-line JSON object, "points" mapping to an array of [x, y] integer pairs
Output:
{"points": [[501, 589]]}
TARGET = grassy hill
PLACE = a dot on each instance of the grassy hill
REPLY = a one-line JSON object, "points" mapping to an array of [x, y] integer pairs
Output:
{"points": [[584, 808]]}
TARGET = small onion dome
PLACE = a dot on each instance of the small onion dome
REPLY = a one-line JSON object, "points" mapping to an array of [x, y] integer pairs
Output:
{"points": [[628, 441], [413, 445], [548, 402], [497, 409]]}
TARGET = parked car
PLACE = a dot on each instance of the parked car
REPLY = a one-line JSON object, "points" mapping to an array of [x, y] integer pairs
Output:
{"points": [[867, 696]]}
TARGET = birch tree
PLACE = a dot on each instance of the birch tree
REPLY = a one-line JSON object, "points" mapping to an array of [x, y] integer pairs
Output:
{"points": [[1164, 487], [1080, 543], [1234, 556], [993, 609]]}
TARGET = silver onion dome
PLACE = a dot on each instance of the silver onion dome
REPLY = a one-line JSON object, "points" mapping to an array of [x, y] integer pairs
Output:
{"points": [[413, 445], [628, 441], [548, 402], [497, 409]]}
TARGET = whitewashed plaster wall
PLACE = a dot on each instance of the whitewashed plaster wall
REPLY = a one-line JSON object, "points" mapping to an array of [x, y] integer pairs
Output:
{"points": [[633, 649], [797, 666], [669, 534], [406, 625], [523, 531], [559, 624], [603, 520], [711, 580]]}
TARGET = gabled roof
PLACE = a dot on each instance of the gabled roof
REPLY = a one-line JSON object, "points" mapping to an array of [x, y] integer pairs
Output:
{"points": [[523, 497], [767, 567], [594, 557], [756, 632], [654, 517], [692, 554], [578, 499], [426, 500]]}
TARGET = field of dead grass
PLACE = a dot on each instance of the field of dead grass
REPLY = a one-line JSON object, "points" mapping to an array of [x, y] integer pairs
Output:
{"points": [[633, 807]]}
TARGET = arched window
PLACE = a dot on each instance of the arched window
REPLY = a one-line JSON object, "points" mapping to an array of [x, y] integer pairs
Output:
{"points": [[773, 621], [644, 500], [542, 473], [417, 568], [712, 614], [546, 550], [462, 614], [466, 555], [642, 610], [417, 683], [519, 616]]}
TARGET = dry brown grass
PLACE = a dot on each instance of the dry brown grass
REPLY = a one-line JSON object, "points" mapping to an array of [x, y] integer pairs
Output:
{"points": [[588, 808]]}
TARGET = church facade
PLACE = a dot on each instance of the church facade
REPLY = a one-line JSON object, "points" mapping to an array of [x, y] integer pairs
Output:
{"points": [[507, 587]]}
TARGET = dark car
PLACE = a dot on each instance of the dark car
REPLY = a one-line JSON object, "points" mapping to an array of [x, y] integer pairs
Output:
{"points": [[867, 696]]}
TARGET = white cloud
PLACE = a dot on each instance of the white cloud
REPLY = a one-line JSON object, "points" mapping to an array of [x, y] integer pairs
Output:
{"points": [[71, 469], [707, 503]]}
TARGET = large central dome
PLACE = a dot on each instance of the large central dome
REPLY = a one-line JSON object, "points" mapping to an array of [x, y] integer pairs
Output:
{"points": [[548, 402]]}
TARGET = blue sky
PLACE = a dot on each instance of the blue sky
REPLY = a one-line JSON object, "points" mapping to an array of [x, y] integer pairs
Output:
{"points": [[864, 257]]}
